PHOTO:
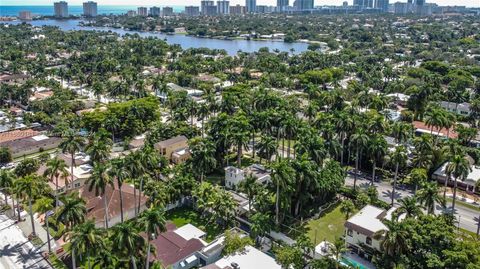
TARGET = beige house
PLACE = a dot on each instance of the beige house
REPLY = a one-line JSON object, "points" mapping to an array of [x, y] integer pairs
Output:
{"points": [[174, 149]]}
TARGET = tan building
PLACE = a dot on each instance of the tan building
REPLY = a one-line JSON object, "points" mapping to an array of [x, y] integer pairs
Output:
{"points": [[26, 142], [174, 149]]}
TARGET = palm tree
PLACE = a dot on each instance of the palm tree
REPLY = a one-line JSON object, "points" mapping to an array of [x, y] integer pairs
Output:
{"points": [[347, 207], [239, 130], [7, 184], [398, 158], [249, 185], [152, 221], [71, 144], [203, 157], [86, 240], [98, 150], [377, 148], [428, 196], [409, 207], [29, 187], [359, 141], [118, 172], [459, 168], [100, 180], [344, 124], [337, 249], [394, 242], [55, 168], [417, 177], [126, 241], [267, 147], [44, 206], [282, 174], [401, 131]]}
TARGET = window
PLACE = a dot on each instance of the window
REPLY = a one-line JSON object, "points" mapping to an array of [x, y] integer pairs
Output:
{"points": [[349, 232], [369, 241]]}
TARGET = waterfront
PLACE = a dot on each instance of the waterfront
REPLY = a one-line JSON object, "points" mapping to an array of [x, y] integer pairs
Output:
{"points": [[231, 46]]}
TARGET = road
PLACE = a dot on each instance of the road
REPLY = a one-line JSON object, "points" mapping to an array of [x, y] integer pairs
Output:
{"points": [[467, 217], [16, 252]]}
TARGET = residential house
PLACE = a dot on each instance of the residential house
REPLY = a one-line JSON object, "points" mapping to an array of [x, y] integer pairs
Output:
{"points": [[361, 230], [468, 184], [26, 142], [399, 98], [458, 108], [174, 149], [13, 79], [137, 142], [234, 175], [421, 127], [249, 258]]}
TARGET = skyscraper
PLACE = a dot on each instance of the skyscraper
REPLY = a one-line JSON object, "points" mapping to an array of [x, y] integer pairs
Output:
{"points": [[142, 11], [382, 4], [223, 7], [61, 9], [25, 15], [301, 5], [251, 6], [90, 9], [205, 4], [167, 11], [363, 3], [282, 5], [155, 11], [192, 11], [237, 10]]}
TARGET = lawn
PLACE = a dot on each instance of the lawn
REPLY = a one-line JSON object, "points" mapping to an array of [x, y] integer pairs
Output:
{"points": [[464, 204], [182, 216], [328, 227]]}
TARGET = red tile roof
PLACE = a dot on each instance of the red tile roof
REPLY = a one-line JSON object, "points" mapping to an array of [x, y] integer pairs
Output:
{"points": [[443, 131]]}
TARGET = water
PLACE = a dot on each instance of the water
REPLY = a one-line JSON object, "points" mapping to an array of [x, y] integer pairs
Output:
{"points": [[12, 11], [231, 46]]}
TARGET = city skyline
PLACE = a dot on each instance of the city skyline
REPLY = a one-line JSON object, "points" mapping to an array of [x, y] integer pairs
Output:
{"points": [[468, 3]]}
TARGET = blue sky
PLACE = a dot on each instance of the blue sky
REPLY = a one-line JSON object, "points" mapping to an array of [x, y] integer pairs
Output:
{"points": [[472, 3]]}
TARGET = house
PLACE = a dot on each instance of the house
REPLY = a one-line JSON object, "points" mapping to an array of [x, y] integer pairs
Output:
{"points": [[26, 142], [233, 175], [468, 184], [174, 149], [458, 108], [137, 142], [177, 248], [96, 205], [13, 79], [249, 258], [361, 230], [399, 98], [421, 127]]}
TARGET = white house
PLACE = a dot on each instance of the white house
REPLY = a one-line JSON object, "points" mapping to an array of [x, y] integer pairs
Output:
{"points": [[249, 258], [234, 175], [458, 108], [468, 184]]}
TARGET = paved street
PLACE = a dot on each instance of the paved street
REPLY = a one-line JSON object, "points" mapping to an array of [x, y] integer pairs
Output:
{"points": [[467, 217], [15, 250]]}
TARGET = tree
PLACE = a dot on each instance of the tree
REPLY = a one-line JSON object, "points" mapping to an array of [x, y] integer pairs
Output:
{"points": [[234, 243], [7, 186], [337, 249], [359, 141], [29, 187], [203, 157], [260, 225], [377, 148], [152, 221], [428, 196], [409, 207], [347, 207], [71, 144], [459, 168], [86, 241], [267, 147], [282, 175], [417, 177], [98, 148], [239, 129], [126, 241], [55, 168], [398, 158], [118, 172], [99, 181], [5, 155], [289, 257], [26, 167], [44, 206], [395, 239], [249, 186]]}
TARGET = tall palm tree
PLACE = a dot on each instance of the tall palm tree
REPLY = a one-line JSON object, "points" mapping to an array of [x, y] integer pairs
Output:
{"points": [[71, 144], [118, 172], [249, 185], [359, 141], [337, 249], [282, 175], [99, 181], [459, 168], [98, 150], [377, 148], [397, 158], [152, 221], [55, 168], [126, 241], [7, 184], [86, 241], [428, 196], [203, 157], [409, 207], [402, 132], [29, 187], [267, 147], [240, 130], [44, 206], [344, 125], [394, 242]]}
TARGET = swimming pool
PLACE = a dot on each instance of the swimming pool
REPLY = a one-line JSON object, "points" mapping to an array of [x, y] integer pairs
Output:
{"points": [[347, 261]]}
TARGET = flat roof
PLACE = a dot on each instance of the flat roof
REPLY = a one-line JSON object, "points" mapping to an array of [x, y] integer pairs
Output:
{"points": [[188, 231], [249, 258], [368, 220]]}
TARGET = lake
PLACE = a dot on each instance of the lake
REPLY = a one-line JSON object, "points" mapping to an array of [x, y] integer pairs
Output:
{"points": [[231, 46]]}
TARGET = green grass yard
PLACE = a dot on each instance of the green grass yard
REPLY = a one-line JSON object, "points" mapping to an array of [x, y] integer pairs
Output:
{"points": [[182, 216], [328, 226]]}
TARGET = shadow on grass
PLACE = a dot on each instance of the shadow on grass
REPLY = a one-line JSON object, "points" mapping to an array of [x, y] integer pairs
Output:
{"points": [[187, 215]]}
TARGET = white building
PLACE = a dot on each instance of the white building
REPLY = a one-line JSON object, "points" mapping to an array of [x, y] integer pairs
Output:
{"points": [[361, 229], [25, 15], [462, 108], [90, 9], [142, 11], [61, 9], [249, 258], [223, 7], [468, 184], [234, 175]]}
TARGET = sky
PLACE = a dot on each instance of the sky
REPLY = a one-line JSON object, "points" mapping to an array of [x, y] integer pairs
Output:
{"points": [[470, 3]]}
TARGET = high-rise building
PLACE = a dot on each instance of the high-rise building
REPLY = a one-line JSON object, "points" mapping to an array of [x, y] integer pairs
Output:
{"points": [[282, 5], [223, 7], [363, 3], [251, 6], [167, 11], [382, 4], [61, 9], [142, 11], [301, 5], [205, 4], [25, 15], [192, 11], [131, 13], [400, 8], [345, 3], [237, 10], [90, 9], [155, 11]]}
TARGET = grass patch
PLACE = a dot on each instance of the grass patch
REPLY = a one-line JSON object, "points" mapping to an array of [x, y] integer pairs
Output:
{"points": [[56, 262], [464, 204], [466, 234], [329, 226], [36, 241], [182, 216]]}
